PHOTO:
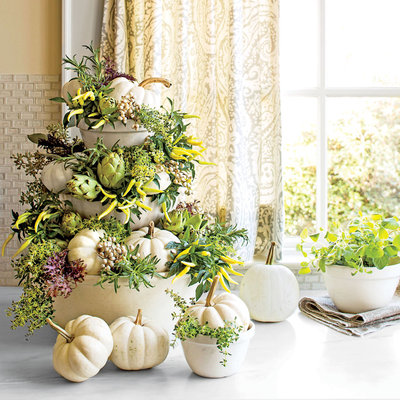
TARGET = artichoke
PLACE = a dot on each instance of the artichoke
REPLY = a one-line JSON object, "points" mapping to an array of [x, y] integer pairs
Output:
{"points": [[177, 224], [181, 220], [107, 105], [83, 187], [71, 223], [111, 170]]}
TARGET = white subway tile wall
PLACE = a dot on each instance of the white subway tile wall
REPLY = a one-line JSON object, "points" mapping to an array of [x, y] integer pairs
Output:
{"points": [[25, 108]]}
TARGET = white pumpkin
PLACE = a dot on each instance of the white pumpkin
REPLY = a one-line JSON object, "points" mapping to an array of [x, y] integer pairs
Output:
{"points": [[152, 241], [84, 246], [70, 87], [164, 181], [271, 292], [82, 349], [225, 307], [55, 176], [138, 343], [123, 87]]}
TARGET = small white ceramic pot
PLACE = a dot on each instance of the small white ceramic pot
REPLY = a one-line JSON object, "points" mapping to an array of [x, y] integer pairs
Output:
{"points": [[204, 358], [124, 135], [363, 291], [103, 302]]}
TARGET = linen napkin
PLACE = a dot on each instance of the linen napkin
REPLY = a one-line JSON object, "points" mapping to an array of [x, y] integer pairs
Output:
{"points": [[322, 310]]}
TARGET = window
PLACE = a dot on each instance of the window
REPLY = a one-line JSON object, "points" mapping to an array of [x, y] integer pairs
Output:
{"points": [[340, 79]]}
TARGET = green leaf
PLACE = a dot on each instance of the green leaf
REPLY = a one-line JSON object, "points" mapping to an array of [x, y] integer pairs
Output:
{"points": [[391, 251], [383, 233], [35, 137], [304, 264], [390, 223], [321, 264], [58, 99], [352, 228], [304, 234], [396, 241], [304, 270], [381, 262], [314, 237], [330, 237], [374, 251]]}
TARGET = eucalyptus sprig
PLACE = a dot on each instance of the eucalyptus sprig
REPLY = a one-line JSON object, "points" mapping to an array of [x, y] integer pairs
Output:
{"points": [[369, 241], [189, 327]]}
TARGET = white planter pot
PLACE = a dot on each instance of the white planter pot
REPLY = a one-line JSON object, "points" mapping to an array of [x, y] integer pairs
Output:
{"points": [[363, 291], [204, 358], [90, 208], [108, 305], [124, 135]]}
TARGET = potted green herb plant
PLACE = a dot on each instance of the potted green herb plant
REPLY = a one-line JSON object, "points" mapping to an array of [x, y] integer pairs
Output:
{"points": [[214, 333], [360, 264]]}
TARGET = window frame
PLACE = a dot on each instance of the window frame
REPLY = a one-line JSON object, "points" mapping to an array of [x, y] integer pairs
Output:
{"points": [[321, 93]]}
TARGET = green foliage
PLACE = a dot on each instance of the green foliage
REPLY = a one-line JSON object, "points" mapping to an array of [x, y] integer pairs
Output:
{"points": [[189, 327], [111, 226], [362, 174], [205, 253], [35, 305], [368, 241], [136, 270]]}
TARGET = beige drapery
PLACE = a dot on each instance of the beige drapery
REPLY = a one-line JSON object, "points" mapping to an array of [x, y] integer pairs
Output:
{"points": [[222, 57]]}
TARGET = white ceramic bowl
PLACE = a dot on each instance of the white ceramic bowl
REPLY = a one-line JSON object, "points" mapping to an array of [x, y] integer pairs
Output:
{"points": [[89, 299], [90, 208], [363, 291], [124, 135], [204, 358]]}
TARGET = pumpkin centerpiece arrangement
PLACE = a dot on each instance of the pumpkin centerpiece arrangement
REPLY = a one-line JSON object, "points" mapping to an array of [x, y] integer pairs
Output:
{"points": [[105, 231]]}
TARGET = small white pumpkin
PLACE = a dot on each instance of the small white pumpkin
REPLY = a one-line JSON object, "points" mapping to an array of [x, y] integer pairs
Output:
{"points": [[70, 87], [123, 87], [55, 176], [84, 246], [164, 181], [152, 241], [138, 343], [270, 291], [82, 348], [225, 307]]}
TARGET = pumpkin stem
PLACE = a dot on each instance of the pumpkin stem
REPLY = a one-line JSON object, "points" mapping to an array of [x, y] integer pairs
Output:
{"points": [[148, 81], [69, 338], [138, 320], [270, 255], [151, 230], [212, 290]]}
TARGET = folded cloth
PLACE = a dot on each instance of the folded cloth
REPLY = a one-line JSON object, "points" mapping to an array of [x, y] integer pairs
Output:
{"points": [[322, 310]]}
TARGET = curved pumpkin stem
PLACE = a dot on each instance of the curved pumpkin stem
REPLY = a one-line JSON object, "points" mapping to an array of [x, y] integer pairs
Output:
{"points": [[212, 291], [148, 81], [69, 338], [270, 255], [138, 320], [151, 230]]}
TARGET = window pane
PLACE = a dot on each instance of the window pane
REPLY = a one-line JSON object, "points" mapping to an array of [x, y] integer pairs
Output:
{"points": [[364, 155], [299, 129], [299, 43], [361, 42]]}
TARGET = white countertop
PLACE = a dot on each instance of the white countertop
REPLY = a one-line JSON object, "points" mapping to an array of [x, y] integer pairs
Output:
{"points": [[297, 359]]}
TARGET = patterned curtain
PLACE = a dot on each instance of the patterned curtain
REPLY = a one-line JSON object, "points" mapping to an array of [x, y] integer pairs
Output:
{"points": [[222, 57]]}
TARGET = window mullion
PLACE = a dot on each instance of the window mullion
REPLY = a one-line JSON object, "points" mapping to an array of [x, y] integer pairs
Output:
{"points": [[322, 140]]}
